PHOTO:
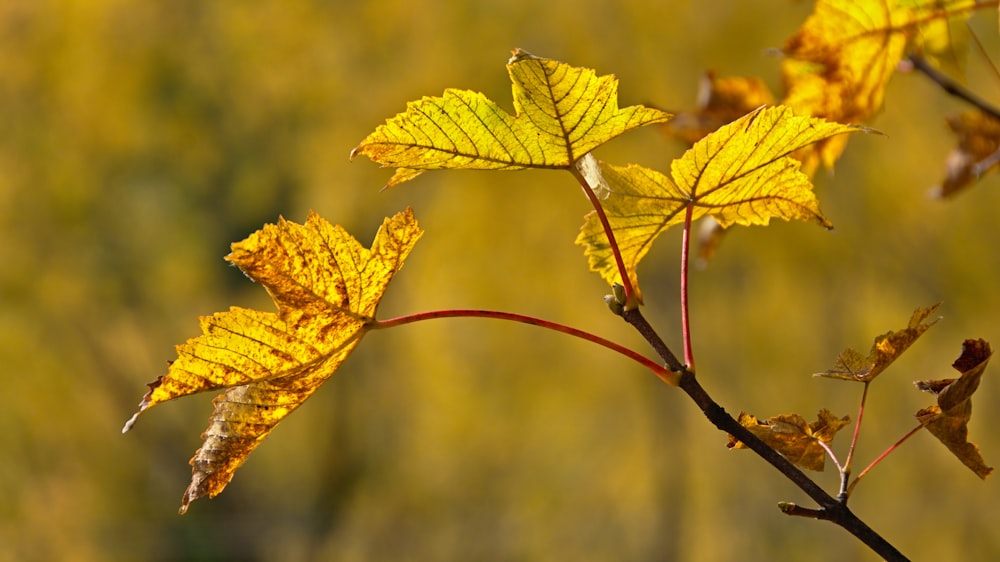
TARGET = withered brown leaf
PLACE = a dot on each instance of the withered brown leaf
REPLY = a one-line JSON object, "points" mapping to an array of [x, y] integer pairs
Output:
{"points": [[949, 419], [852, 365], [793, 437]]}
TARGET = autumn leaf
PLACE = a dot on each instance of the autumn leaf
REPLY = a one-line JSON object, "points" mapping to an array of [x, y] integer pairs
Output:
{"points": [[793, 437], [852, 365], [560, 113], [720, 101], [949, 419], [740, 174], [326, 287], [977, 153], [839, 63], [943, 40]]}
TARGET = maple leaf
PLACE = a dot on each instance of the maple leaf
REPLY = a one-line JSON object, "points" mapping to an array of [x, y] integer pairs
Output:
{"points": [[740, 174], [977, 153], [720, 101], [793, 437], [561, 113], [949, 419], [852, 365], [326, 287], [943, 40], [839, 63]]}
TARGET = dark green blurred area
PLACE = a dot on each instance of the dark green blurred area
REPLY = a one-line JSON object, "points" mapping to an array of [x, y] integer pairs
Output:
{"points": [[138, 140]]}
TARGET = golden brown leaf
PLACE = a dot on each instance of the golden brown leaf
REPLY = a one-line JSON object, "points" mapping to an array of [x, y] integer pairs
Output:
{"points": [[852, 365], [839, 63], [560, 113], [326, 287], [720, 101], [977, 153], [949, 419], [793, 437]]}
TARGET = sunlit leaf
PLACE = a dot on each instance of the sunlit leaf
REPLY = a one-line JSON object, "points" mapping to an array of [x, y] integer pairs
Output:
{"points": [[741, 174], [949, 419], [943, 40], [560, 113], [838, 64], [977, 153], [720, 101], [853, 365], [793, 437], [326, 287]]}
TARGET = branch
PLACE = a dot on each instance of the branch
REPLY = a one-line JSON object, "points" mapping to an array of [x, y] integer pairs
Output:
{"points": [[830, 508], [952, 87]]}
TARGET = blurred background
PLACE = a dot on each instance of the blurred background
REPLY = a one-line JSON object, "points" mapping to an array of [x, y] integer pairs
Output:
{"points": [[138, 140]]}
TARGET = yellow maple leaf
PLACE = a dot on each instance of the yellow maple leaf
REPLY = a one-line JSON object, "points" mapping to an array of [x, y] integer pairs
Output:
{"points": [[740, 174], [561, 113], [854, 366], [949, 419], [839, 63], [326, 287], [793, 437], [943, 39], [977, 152]]}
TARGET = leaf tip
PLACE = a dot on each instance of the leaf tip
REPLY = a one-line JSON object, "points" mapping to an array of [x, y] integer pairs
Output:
{"points": [[131, 421], [519, 54]]}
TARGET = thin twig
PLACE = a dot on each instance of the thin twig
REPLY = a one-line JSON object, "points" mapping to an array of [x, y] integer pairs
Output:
{"points": [[954, 88]]}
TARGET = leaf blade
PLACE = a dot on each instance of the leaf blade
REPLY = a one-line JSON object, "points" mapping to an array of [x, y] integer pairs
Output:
{"points": [[561, 113], [948, 420], [886, 348], [740, 174], [326, 287]]}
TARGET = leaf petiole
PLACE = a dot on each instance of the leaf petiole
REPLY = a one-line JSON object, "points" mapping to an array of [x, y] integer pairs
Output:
{"points": [[845, 472], [663, 373], [685, 260], [884, 454], [631, 298]]}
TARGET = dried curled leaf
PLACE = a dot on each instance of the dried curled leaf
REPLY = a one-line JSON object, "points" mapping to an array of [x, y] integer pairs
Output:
{"points": [[740, 174], [852, 365], [949, 419], [793, 437], [977, 152], [326, 287], [561, 112]]}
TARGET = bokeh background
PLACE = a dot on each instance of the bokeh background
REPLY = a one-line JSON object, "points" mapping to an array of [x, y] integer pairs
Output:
{"points": [[139, 139]]}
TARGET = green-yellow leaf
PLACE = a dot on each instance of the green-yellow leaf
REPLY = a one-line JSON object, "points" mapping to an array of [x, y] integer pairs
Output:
{"points": [[793, 437], [852, 365], [949, 419], [561, 112], [326, 287], [740, 174]]}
